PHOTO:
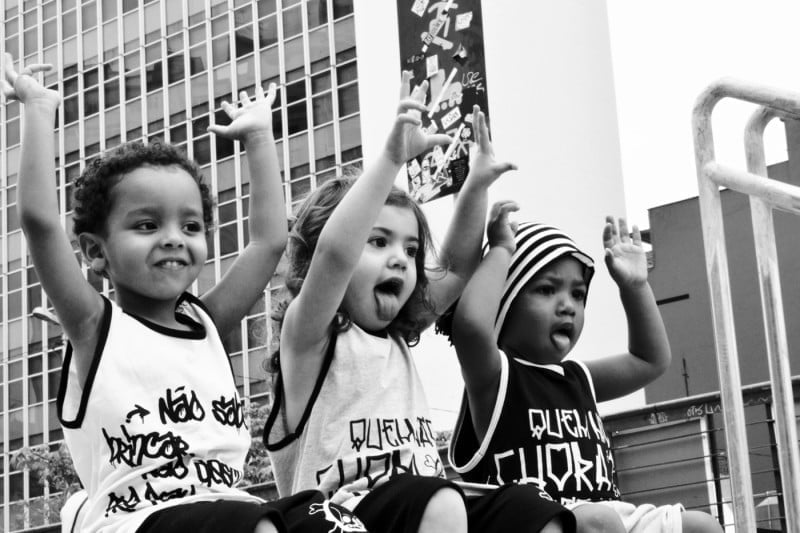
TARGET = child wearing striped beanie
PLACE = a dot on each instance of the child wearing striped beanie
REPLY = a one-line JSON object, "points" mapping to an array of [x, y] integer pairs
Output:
{"points": [[530, 416]]}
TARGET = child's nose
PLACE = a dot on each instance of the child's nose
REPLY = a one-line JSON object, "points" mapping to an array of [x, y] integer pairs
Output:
{"points": [[172, 238], [398, 258]]}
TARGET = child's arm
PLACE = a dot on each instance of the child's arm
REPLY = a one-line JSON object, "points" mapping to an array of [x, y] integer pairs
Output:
{"points": [[461, 249], [239, 289], [307, 322], [649, 353], [473, 321], [78, 306]]}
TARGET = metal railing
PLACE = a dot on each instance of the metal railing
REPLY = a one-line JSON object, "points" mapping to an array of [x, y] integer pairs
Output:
{"points": [[765, 194], [675, 451]]}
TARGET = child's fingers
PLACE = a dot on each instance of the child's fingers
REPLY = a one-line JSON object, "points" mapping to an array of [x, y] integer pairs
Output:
{"points": [[608, 233], [272, 92], [408, 104], [30, 70], [483, 132], [438, 138], [405, 80], [244, 99], [624, 236], [420, 92], [228, 108], [502, 168], [637, 236], [259, 92]]}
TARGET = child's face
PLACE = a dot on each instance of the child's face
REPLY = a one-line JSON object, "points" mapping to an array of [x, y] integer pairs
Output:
{"points": [[546, 317], [386, 273], [154, 243]]}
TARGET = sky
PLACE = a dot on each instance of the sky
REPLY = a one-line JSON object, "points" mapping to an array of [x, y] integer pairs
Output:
{"points": [[664, 54]]}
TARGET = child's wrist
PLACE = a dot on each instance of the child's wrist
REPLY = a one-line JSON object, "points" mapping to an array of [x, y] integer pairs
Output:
{"points": [[261, 136]]}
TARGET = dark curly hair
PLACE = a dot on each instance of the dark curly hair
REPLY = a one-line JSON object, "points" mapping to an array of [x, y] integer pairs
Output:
{"points": [[93, 188], [312, 215]]}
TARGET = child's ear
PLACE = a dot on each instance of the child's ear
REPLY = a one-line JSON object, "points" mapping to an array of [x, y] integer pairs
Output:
{"points": [[92, 250]]}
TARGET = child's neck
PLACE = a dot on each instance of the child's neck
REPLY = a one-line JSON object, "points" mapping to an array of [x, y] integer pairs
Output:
{"points": [[161, 312]]}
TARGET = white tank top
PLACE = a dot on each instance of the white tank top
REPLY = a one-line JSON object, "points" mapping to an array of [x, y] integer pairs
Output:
{"points": [[159, 421], [366, 421]]}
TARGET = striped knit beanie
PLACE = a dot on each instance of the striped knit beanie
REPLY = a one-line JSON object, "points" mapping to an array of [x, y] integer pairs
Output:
{"points": [[538, 245]]}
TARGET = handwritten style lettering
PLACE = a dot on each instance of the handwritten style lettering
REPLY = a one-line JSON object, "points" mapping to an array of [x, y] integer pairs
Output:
{"points": [[383, 433], [216, 472], [179, 407], [565, 423], [229, 412], [125, 504], [133, 449]]}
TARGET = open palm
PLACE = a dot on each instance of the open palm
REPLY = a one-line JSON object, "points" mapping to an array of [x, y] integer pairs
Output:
{"points": [[625, 256]]}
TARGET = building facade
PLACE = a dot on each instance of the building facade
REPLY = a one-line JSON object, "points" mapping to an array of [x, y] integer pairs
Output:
{"points": [[140, 70]]}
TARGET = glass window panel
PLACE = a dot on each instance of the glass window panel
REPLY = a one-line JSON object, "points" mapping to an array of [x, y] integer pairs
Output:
{"points": [[12, 25], [197, 12], [71, 113], [265, 7], [244, 40], [228, 242], [295, 91], [175, 43], [344, 35], [222, 81], [111, 91], [318, 46], [219, 26], [175, 69], [246, 74], [324, 144], [298, 150], [346, 73], [12, 132], [31, 36], [197, 59], [269, 63], [243, 15], [202, 150], [199, 87], [268, 31], [132, 61], [342, 8], [177, 133], [197, 35], [154, 76], [91, 77], [35, 389], [133, 115], [317, 11], [15, 394], [110, 36], [348, 100], [91, 101], [152, 52], [129, 5], [89, 15], [130, 31], [350, 133], [90, 48], [321, 82], [69, 24], [12, 46], [218, 6], [177, 99], [220, 50], [109, 9], [297, 117], [50, 33], [112, 121], [293, 54], [155, 107], [53, 379], [70, 86], [133, 85], [15, 372], [292, 22], [174, 12], [152, 17]]}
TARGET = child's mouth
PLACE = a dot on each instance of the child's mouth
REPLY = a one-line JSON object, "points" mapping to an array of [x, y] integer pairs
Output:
{"points": [[562, 337], [386, 298]]}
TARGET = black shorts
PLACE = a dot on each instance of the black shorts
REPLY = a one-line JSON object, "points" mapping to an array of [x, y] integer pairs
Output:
{"points": [[397, 506], [304, 512]]}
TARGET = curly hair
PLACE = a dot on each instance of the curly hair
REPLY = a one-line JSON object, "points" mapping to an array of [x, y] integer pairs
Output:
{"points": [[312, 215], [93, 201]]}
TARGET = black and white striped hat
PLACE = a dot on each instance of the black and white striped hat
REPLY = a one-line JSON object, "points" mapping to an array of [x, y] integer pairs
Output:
{"points": [[538, 245]]}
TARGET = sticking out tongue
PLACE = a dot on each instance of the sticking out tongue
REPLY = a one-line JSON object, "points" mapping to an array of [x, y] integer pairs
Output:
{"points": [[561, 340], [387, 305]]}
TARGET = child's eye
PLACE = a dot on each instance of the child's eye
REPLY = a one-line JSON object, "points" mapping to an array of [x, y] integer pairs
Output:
{"points": [[380, 242], [193, 227], [145, 225], [546, 290], [412, 251], [579, 295]]}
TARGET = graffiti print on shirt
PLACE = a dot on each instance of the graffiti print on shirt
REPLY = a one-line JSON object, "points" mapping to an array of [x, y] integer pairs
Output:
{"points": [[569, 455]]}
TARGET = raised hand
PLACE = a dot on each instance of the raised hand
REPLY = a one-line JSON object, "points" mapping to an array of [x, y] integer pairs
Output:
{"points": [[252, 117], [23, 86], [500, 230], [407, 139], [625, 257], [482, 166]]}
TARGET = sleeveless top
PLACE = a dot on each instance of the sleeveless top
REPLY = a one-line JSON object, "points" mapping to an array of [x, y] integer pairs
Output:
{"points": [[545, 430], [158, 422], [367, 420]]}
